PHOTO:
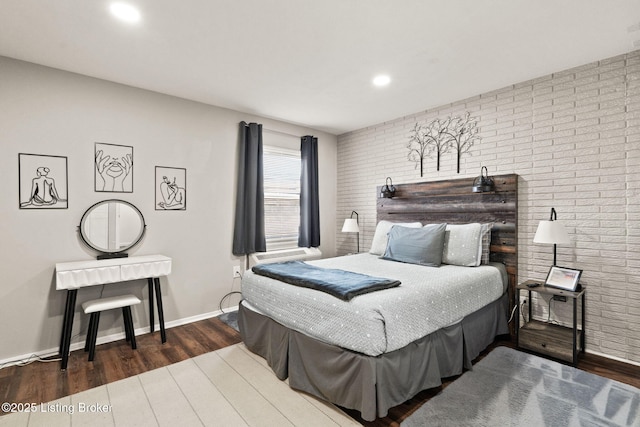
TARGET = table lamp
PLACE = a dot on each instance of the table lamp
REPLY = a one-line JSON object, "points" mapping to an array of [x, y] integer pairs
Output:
{"points": [[551, 232], [351, 226]]}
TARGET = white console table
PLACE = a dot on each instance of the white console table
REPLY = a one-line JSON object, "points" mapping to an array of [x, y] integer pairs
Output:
{"points": [[71, 276]]}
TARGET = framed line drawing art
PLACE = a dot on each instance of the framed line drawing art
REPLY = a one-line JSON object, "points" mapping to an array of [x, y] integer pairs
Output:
{"points": [[113, 171], [563, 278], [42, 181], [171, 188]]}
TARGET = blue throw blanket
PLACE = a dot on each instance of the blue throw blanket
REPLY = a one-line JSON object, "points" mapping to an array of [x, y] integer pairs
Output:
{"points": [[339, 283]]}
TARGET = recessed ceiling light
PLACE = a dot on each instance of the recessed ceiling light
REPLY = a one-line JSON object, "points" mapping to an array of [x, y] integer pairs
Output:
{"points": [[381, 80], [125, 12]]}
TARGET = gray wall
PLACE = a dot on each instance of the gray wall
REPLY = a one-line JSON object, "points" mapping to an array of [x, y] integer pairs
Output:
{"points": [[574, 139], [52, 112]]}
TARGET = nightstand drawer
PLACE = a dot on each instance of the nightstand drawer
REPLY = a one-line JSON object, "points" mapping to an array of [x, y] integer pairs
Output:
{"points": [[552, 340]]}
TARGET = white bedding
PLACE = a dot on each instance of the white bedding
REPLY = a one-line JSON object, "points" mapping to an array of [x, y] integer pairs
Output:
{"points": [[428, 299]]}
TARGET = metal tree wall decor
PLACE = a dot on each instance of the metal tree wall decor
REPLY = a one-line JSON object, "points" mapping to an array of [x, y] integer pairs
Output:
{"points": [[464, 135], [427, 140], [439, 137]]}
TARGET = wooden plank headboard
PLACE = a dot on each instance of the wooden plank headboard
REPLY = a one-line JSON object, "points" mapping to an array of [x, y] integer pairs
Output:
{"points": [[452, 201]]}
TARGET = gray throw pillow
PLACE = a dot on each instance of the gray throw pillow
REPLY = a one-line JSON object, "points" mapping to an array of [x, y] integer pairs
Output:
{"points": [[422, 246]]}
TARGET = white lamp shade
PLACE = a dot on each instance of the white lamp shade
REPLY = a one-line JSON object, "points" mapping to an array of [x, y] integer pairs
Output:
{"points": [[551, 232], [350, 226]]}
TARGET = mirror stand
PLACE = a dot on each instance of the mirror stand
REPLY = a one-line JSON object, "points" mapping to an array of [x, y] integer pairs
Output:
{"points": [[113, 255]]}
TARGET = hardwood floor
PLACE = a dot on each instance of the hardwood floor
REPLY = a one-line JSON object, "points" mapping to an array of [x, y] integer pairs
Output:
{"points": [[43, 382]]}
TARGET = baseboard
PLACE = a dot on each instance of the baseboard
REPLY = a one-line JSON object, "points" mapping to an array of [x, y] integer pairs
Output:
{"points": [[52, 352], [608, 356]]}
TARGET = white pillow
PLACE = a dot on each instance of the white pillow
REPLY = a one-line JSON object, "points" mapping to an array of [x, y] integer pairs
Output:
{"points": [[380, 238], [463, 245]]}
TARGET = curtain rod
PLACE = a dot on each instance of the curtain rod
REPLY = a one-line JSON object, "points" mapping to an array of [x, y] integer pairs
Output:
{"points": [[280, 132], [277, 131]]}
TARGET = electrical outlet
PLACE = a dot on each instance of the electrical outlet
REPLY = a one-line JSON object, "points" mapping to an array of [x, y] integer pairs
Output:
{"points": [[237, 272], [561, 298]]}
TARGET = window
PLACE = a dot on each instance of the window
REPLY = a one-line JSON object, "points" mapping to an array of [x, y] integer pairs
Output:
{"points": [[281, 197]]}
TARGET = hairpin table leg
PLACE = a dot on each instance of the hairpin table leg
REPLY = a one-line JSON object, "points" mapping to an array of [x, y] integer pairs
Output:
{"points": [[151, 320], [67, 326], [163, 334]]}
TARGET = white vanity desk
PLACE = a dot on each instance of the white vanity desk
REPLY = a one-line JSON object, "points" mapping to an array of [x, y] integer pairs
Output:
{"points": [[71, 276]]}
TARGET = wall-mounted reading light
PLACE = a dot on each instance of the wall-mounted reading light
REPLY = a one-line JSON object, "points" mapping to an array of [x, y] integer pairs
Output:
{"points": [[388, 190], [483, 183]]}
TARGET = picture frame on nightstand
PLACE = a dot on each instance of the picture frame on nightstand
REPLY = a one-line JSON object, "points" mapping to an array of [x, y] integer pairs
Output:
{"points": [[563, 278]]}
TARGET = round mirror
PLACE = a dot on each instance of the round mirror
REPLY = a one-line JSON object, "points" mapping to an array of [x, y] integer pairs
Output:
{"points": [[112, 226]]}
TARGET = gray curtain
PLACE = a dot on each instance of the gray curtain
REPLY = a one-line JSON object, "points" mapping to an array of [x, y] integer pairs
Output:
{"points": [[309, 235], [248, 232]]}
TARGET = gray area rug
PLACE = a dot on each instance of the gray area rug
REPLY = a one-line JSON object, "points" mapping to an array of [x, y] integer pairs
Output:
{"points": [[230, 318], [512, 388]]}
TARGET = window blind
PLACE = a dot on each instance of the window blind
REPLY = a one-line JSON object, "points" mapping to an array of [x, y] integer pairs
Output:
{"points": [[281, 197]]}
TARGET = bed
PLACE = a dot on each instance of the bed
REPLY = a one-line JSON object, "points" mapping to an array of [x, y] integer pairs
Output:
{"points": [[379, 349]]}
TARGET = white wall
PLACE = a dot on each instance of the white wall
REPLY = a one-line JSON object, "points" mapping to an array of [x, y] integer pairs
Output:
{"points": [[574, 139], [52, 112]]}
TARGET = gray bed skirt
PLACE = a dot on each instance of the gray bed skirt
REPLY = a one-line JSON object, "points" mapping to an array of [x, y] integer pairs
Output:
{"points": [[369, 384]]}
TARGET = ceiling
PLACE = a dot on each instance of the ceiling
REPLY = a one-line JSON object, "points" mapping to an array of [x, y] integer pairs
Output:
{"points": [[311, 62]]}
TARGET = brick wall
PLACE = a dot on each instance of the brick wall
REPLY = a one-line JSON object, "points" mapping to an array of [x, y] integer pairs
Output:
{"points": [[574, 139]]}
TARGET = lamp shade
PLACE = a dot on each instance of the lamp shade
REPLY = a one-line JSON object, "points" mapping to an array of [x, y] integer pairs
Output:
{"points": [[551, 232], [350, 226]]}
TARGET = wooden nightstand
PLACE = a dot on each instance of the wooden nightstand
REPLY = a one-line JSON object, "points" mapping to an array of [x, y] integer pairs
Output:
{"points": [[557, 341]]}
